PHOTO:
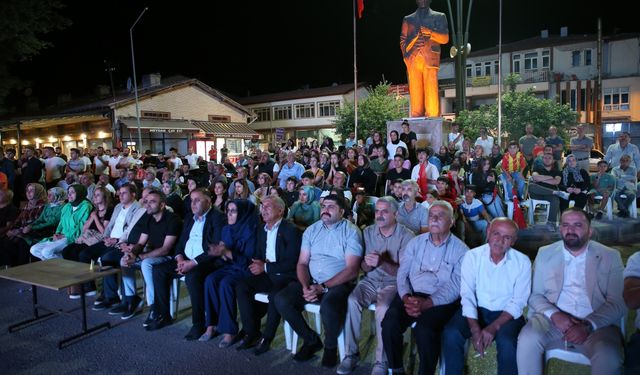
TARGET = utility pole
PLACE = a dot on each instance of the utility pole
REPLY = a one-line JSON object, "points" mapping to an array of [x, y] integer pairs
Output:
{"points": [[460, 49], [597, 136]]}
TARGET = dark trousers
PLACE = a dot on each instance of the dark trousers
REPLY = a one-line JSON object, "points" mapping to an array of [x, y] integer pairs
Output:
{"points": [[220, 298], [333, 311], [164, 273], [579, 199], [632, 355], [14, 252], [251, 311], [457, 331], [109, 256], [428, 329]]}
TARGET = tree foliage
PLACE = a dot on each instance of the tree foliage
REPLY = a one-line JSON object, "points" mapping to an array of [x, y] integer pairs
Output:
{"points": [[378, 107], [22, 25], [518, 109]]}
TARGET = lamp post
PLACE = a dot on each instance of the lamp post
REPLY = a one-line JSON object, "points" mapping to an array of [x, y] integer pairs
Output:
{"points": [[135, 84], [460, 50]]}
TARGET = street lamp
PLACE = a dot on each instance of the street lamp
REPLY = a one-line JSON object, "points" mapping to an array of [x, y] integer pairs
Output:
{"points": [[460, 50], [135, 84]]}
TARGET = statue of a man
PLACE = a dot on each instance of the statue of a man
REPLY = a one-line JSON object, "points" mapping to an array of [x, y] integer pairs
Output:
{"points": [[422, 34]]}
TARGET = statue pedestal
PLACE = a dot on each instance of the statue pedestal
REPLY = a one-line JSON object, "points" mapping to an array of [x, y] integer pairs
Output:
{"points": [[428, 131]]}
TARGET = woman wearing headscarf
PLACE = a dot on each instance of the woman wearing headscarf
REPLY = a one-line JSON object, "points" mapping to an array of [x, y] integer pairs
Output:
{"points": [[10, 253], [306, 210], [173, 197], [363, 177], [36, 199], [576, 182], [73, 216], [236, 250], [394, 143]]}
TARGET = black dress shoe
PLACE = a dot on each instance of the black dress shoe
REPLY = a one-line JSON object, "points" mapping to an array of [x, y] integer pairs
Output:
{"points": [[264, 347], [194, 333], [307, 351], [248, 342], [160, 322], [330, 357]]}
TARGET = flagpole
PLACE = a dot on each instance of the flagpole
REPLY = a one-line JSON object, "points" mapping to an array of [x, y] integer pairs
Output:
{"points": [[355, 75]]}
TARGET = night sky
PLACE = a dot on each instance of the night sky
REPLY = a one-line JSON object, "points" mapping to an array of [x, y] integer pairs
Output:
{"points": [[256, 47]]}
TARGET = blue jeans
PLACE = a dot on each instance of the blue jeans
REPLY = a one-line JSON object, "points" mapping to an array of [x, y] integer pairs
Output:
{"points": [[494, 206], [508, 187], [146, 267], [457, 331]]}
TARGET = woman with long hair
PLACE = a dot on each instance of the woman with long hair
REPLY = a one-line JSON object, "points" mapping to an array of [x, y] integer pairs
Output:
{"points": [[92, 233], [484, 177], [241, 190], [236, 250], [264, 187], [192, 184], [220, 195], [377, 142], [306, 210]]}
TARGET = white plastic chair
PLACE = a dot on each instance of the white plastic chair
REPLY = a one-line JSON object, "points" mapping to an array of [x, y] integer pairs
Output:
{"points": [[314, 308], [174, 296], [572, 356], [533, 203], [288, 332], [608, 207]]}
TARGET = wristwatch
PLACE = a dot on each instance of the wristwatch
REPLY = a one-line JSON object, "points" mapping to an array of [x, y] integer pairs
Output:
{"points": [[325, 288], [588, 327]]}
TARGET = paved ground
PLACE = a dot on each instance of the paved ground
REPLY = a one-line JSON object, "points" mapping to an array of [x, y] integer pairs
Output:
{"points": [[128, 349]]}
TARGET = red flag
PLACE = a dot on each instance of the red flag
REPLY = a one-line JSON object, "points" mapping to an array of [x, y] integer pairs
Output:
{"points": [[360, 8], [518, 216]]}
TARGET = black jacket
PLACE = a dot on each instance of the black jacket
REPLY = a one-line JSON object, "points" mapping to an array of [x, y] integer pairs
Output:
{"points": [[214, 222], [288, 241]]}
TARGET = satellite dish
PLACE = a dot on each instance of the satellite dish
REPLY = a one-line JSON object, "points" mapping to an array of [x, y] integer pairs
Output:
{"points": [[129, 84]]}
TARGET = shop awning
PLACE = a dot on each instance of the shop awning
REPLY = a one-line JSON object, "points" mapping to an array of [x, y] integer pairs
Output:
{"points": [[160, 126], [227, 129]]}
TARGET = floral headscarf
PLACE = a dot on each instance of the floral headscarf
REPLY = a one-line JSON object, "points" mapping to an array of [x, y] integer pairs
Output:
{"points": [[59, 194]]}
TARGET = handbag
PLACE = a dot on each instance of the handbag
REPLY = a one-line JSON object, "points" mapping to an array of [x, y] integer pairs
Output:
{"points": [[90, 237]]}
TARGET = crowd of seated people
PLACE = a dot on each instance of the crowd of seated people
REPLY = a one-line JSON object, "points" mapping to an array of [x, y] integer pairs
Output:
{"points": [[303, 223]]}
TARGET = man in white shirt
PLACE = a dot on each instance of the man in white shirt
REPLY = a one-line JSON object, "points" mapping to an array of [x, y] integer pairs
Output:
{"points": [[53, 166], [455, 137], [114, 160], [576, 300], [193, 159], [484, 140], [174, 159], [495, 285], [101, 162]]}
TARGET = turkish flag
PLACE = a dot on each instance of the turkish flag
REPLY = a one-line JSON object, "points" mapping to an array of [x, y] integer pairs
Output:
{"points": [[518, 216], [360, 8]]}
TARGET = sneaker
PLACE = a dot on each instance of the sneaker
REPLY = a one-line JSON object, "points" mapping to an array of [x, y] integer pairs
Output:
{"points": [[99, 300], [151, 317], [119, 309], [599, 215], [105, 304], [264, 347], [160, 322], [330, 357], [348, 364], [90, 293], [380, 368], [308, 350], [134, 307]]}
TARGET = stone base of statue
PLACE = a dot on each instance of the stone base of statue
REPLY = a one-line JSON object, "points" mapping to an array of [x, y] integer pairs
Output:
{"points": [[428, 131]]}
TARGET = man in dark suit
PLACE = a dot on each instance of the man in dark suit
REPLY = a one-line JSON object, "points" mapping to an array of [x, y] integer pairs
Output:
{"points": [[277, 251], [192, 261]]}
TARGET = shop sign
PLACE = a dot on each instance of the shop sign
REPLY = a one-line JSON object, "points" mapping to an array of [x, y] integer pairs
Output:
{"points": [[156, 130]]}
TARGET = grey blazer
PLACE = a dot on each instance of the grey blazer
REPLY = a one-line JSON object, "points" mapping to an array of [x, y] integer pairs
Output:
{"points": [[129, 221], [603, 278]]}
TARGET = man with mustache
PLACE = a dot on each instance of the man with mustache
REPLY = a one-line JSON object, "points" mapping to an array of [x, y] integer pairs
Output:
{"points": [[576, 300], [384, 243], [411, 214], [327, 268], [428, 282]]}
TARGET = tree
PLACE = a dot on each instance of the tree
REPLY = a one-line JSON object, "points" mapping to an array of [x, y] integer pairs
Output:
{"points": [[518, 109], [373, 112], [22, 25]]}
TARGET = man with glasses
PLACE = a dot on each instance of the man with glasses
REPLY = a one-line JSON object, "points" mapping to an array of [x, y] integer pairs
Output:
{"points": [[428, 291], [328, 265]]}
